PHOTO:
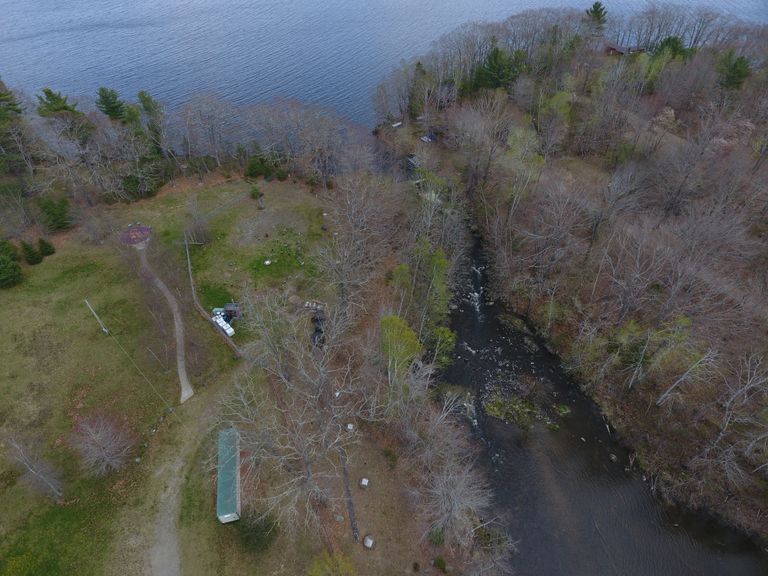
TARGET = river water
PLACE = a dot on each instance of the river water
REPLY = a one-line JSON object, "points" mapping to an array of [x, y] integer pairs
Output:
{"points": [[328, 52], [569, 494]]}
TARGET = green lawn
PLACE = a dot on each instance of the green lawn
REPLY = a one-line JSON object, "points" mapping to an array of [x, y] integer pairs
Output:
{"points": [[56, 365]]}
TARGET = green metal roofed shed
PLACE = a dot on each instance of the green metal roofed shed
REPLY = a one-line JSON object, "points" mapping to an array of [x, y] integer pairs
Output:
{"points": [[228, 483]]}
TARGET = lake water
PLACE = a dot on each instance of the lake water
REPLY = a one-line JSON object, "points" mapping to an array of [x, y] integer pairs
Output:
{"points": [[328, 52]]}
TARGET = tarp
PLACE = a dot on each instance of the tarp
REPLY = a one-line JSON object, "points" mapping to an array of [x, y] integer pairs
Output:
{"points": [[228, 483]]}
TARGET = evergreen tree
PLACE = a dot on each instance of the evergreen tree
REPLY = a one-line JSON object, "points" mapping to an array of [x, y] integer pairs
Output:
{"points": [[10, 108], [10, 272], [598, 15], [9, 250], [110, 104], [51, 103], [55, 213], [673, 45], [31, 255], [11, 128], [44, 247], [152, 114], [419, 85], [499, 70], [733, 70]]}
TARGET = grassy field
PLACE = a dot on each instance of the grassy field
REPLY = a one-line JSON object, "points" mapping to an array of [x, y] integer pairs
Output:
{"points": [[58, 366]]}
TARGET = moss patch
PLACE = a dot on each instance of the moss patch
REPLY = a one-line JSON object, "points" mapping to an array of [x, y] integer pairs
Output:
{"points": [[513, 408]]}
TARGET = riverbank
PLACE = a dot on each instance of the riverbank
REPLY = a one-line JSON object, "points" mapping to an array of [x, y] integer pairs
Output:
{"points": [[622, 202], [569, 490]]}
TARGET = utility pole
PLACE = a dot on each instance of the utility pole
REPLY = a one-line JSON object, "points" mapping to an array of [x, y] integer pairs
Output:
{"points": [[103, 328]]}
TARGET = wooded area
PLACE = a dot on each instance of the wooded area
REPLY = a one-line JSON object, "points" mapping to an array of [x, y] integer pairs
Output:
{"points": [[623, 203]]}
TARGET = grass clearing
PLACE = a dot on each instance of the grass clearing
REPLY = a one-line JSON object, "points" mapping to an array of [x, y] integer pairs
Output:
{"points": [[62, 367], [281, 258], [57, 365]]}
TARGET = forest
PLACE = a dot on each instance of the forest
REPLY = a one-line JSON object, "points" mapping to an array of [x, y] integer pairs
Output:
{"points": [[615, 170]]}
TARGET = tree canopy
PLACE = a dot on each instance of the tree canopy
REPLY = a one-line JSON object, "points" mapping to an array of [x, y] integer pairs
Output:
{"points": [[51, 103], [733, 70], [110, 104], [673, 46], [9, 106], [597, 14], [499, 70]]}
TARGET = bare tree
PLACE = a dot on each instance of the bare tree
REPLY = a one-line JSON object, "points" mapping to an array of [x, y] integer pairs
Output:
{"points": [[362, 210], [294, 442], [103, 444], [455, 493], [635, 266], [480, 129], [39, 473], [206, 123], [699, 369]]}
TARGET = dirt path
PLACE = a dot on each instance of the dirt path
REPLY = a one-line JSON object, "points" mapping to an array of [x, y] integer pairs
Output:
{"points": [[178, 326], [164, 557]]}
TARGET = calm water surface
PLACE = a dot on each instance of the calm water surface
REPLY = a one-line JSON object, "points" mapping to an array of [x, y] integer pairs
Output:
{"points": [[329, 52]]}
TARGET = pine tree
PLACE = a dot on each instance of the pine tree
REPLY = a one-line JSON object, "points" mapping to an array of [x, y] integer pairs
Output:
{"points": [[110, 104], [54, 213], [44, 247], [733, 70], [499, 70], [598, 15], [51, 103], [9, 106], [674, 46], [31, 255], [9, 250], [10, 272]]}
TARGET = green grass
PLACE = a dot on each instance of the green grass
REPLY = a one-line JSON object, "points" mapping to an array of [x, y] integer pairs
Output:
{"points": [[67, 539], [55, 365], [281, 257], [214, 295]]}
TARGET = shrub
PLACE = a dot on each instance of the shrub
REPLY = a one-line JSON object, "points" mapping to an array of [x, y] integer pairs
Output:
{"points": [[9, 250], [437, 537], [55, 213], [31, 255], [258, 166], [10, 272], [256, 192], [281, 174], [257, 533], [44, 247], [441, 565]]}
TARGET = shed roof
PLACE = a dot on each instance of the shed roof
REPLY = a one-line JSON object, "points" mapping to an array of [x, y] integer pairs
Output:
{"points": [[228, 482]]}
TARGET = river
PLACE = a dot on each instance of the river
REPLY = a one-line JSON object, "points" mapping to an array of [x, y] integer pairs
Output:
{"points": [[330, 52], [564, 487]]}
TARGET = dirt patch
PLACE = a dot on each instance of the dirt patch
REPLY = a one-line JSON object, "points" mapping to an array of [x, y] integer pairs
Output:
{"points": [[385, 511]]}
